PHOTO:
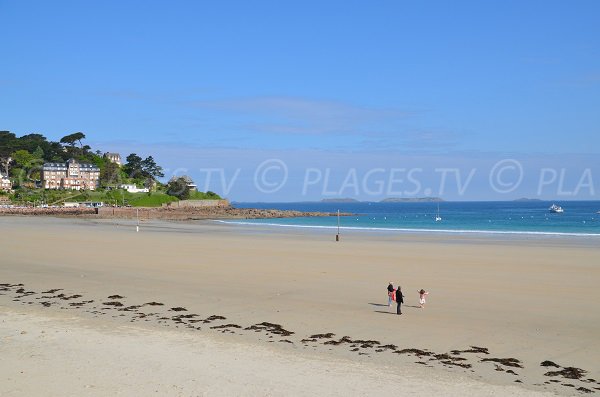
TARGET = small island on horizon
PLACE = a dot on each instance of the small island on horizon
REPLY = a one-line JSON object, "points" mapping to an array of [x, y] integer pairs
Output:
{"points": [[340, 200], [386, 200], [412, 200]]}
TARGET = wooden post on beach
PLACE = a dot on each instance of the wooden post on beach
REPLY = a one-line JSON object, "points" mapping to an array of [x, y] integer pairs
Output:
{"points": [[337, 236], [137, 215]]}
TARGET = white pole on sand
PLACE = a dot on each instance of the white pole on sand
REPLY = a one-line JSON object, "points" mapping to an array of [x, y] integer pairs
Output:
{"points": [[137, 215], [337, 236]]}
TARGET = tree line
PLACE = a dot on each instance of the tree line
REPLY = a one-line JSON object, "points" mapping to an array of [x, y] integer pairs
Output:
{"points": [[22, 158]]}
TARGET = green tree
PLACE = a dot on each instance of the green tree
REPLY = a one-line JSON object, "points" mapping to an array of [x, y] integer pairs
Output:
{"points": [[18, 176], [134, 167], [30, 142], [72, 138], [110, 174], [8, 141], [178, 188], [28, 165], [23, 158], [144, 171], [213, 195], [38, 153], [35, 169], [54, 152], [151, 169]]}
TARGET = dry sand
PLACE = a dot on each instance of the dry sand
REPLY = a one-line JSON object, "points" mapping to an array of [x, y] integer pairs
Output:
{"points": [[531, 301], [52, 357]]}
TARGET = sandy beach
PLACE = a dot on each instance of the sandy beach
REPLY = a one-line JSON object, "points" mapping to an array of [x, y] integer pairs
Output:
{"points": [[91, 307]]}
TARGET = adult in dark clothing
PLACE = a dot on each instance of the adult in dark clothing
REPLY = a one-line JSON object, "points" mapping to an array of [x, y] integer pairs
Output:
{"points": [[399, 300]]}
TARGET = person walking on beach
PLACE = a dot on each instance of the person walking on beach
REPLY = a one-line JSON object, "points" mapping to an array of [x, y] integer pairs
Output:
{"points": [[422, 294], [390, 290], [399, 300]]}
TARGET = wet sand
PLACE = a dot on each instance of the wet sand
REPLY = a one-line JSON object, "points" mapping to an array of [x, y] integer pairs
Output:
{"points": [[498, 308]]}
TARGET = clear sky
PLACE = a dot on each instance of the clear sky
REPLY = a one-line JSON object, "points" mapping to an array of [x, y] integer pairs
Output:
{"points": [[319, 88]]}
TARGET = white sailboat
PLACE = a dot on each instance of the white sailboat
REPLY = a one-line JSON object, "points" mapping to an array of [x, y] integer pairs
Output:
{"points": [[437, 216], [556, 208]]}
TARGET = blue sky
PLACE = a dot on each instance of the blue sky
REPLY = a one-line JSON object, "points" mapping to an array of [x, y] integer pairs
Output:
{"points": [[336, 85]]}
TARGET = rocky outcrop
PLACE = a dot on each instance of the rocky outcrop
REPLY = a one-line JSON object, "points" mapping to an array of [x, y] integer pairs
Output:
{"points": [[204, 213], [179, 214]]}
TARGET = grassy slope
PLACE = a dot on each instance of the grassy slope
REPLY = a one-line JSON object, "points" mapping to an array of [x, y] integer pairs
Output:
{"points": [[195, 195], [155, 199]]}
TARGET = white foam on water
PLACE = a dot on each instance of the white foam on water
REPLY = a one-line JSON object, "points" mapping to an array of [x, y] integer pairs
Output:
{"points": [[404, 230]]}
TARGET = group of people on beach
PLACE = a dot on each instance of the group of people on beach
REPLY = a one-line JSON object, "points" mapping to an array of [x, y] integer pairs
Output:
{"points": [[395, 295]]}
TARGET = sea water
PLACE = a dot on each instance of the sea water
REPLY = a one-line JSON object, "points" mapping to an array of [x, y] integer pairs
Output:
{"points": [[506, 217]]}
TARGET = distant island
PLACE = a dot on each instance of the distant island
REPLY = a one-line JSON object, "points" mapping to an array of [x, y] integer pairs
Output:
{"points": [[387, 200], [339, 200], [525, 199], [412, 200]]}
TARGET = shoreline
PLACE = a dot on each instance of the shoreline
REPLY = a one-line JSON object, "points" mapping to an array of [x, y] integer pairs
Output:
{"points": [[413, 230], [238, 278], [288, 219], [239, 221]]}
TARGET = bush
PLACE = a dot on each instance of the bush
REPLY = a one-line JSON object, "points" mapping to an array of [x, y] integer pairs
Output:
{"points": [[179, 188]]}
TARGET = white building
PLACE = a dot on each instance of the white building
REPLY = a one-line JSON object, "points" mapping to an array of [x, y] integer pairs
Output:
{"points": [[134, 189], [189, 182], [5, 184], [85, 204], [113, 157]]}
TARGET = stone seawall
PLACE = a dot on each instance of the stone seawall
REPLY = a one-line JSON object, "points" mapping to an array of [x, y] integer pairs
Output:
{"points": [[48, 211], [197, 204]]}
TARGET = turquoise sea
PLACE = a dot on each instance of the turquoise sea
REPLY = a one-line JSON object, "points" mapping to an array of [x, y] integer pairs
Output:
{"points": [[581, 218]]}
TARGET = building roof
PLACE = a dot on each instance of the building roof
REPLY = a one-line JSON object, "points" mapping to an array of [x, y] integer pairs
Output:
{"points": [[54, 166], [89, 167], [64, 166], [186, 178]]}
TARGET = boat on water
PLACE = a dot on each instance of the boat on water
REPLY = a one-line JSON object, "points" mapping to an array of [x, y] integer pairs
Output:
{"points": [[437, 216], [556, 209]]}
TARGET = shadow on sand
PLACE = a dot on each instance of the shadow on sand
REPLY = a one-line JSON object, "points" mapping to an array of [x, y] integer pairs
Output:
{"points": [[381, 311], [393, 306], [378, 304]]}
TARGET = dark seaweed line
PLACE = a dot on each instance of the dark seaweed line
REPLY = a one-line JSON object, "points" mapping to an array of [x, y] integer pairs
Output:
{"points": [[270, 329]]}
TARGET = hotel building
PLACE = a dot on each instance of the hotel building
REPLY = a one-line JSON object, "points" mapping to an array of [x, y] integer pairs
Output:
{"points": [[70, 176]]}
